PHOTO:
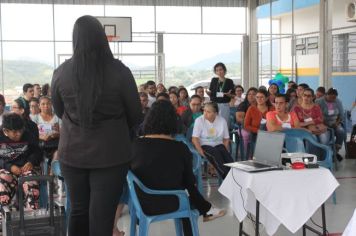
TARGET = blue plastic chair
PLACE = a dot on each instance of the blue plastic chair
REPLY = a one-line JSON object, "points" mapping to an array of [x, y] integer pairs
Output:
{"points": [[56, 169], [299, 140], [197, 161], [136, 212]]}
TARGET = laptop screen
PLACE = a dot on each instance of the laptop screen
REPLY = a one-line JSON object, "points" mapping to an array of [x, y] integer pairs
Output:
{"points": [[269, 147]]}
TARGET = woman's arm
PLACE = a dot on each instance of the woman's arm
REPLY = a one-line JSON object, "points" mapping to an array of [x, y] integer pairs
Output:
{"points": [[196, 143], [226, 143], [250, 115], [240, 115]]}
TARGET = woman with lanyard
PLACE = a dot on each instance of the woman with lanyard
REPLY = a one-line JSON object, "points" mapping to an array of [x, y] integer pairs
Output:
{"points": [[221, 90]]}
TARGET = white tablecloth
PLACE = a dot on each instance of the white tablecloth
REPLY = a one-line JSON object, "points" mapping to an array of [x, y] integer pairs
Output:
{"points": [[351, 226], [288, 197]]}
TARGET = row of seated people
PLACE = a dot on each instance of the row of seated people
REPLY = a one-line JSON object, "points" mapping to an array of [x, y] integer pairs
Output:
{"points": [[285, 112]]}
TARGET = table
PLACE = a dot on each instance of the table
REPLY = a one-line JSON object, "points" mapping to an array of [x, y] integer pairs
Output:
{"points": [[351, 226], [288, 197]]}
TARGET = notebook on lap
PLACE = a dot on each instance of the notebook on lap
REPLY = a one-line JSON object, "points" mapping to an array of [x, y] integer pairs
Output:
{"points": [[267, 155]]}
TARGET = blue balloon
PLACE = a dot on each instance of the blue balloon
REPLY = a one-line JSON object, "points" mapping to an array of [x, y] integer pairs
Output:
{"points": [[279, 83], [282, 90], [271, 81]]}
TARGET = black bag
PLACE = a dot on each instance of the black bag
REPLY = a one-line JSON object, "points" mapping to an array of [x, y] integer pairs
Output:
{"points": [[351, 145], [43, 221]]}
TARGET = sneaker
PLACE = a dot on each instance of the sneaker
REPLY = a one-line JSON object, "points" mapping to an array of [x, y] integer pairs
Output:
{"points": [[214, 213]]}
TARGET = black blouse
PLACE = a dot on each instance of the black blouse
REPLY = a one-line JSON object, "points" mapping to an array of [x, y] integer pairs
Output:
{"points": [[217, 86]]}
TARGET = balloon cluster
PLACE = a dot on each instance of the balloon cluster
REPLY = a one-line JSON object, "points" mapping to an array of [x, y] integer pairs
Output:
{"points": [[280, 80]]}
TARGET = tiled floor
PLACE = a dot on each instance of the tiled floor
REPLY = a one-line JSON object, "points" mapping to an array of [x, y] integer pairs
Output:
{"points": [[337, 216]]}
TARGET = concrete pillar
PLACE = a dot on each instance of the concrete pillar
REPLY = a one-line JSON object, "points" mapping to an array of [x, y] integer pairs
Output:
{"points": [[251, 58]]}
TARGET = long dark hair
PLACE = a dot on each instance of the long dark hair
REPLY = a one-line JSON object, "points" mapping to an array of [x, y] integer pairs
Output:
{"points": [[91, 52]]}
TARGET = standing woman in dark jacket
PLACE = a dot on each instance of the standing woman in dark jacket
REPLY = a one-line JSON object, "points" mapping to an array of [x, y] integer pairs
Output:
{"points": [[96, 97], [221, 90]]}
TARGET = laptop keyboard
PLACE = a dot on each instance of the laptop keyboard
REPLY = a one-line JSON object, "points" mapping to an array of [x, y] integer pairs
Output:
{"points": [[255, 164]]}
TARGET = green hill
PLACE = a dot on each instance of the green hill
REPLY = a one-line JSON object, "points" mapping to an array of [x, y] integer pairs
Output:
{"points": [[17, 73]]}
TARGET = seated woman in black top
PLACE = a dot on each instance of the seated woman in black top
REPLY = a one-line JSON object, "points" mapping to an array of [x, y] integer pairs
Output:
{"points": [[19, 156], [162, 163]]}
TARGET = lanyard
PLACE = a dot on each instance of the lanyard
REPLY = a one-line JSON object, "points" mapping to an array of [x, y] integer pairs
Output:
{"points": [[222, 86]]}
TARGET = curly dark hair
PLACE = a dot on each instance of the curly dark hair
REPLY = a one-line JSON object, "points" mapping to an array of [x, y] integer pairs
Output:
{"points": [[161, 119]]}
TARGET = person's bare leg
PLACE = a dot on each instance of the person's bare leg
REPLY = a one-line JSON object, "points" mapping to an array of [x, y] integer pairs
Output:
{"points": [[116, 231]]}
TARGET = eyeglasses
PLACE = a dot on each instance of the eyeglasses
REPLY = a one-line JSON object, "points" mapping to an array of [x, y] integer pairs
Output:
{"points": [[260, 97], [307, 95]]}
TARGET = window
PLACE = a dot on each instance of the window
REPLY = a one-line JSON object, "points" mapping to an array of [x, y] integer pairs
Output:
{"points": [[344, 52], [179, 19], [27, 21], [224, 20]]}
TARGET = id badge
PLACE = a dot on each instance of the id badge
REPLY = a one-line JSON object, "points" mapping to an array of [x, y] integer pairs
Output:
{"points": [[331, 112], [286, 126], [308, 119], [219, 94], [263, 121]]}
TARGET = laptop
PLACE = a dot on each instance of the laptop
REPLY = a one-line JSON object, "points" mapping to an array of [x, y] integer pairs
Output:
{"points": [[267, 155]]}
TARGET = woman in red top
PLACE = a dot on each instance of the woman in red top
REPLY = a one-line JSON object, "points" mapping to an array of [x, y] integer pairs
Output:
{"points": [[310, 116], [173, 97], [281, 119], [256, 115]]}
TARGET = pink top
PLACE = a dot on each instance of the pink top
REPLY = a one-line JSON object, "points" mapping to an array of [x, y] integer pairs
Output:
{"points": [[314, 113], [292, 117]]}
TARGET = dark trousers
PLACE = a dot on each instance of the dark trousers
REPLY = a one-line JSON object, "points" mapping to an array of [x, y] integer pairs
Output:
{"points": [[94, 195], [218, 156], [155, 205]]}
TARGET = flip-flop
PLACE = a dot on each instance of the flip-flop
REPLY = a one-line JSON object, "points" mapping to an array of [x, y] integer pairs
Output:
{"points": [[213, 217]]}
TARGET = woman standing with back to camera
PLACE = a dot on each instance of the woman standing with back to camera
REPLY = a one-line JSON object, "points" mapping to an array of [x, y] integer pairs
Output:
{"points": [[96, 97]]}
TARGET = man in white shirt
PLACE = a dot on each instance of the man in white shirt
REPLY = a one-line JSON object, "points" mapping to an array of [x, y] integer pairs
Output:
{"points": [[151, 92]]}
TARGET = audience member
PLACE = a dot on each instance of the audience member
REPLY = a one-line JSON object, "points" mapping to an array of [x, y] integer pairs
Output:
{"points": [[46, 90], [173, 97], [37, 92], [18, 107], [160, 162], [249, 100], [144, 102], [173, 89], [211, 138], [163, 96], [48, 127], [221, 90], [161, 88], [237, 99], [200, 92], [151, 92], [333, 113], [281, 119], [34, 107], [273, 90], [320, 92], [27, 95], [183, 97], [310, 116], [291, 85], [142, 88], [291, 94], [192, 113], [255, 118], [353, 113], [2, 107], [20, 156]]}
